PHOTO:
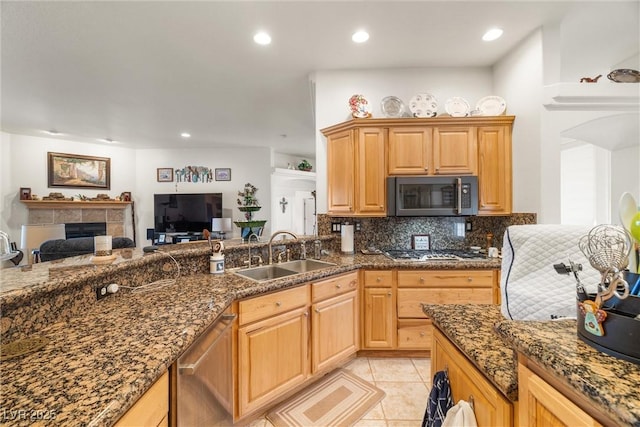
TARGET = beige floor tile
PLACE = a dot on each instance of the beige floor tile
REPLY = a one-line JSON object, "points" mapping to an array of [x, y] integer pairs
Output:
{"points": [[404, 423], [360, 367], [260, 422], [404, 400], [376, 413], [424, 368], [394, 370], [371, 423]]}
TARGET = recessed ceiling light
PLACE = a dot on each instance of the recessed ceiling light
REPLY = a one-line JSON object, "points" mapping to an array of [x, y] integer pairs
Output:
{"points": [[360, 36], [185, 135], [492, 34], [108, 140], [53, 132], [262, 38]]}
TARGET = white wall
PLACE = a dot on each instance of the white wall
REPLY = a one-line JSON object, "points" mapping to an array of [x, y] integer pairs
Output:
{"points": [[24, 164], [334, 88], [518, 78]]}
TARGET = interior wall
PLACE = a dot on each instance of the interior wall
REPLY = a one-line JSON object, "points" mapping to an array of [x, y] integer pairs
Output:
{"points": [[334, 88], [518, 79]]}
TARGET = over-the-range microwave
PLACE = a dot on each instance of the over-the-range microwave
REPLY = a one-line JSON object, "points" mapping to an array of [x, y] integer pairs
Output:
{"points": [[432, 195]]}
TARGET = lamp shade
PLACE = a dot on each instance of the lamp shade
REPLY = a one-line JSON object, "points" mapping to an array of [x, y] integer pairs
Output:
{"points": [[221, 224], [34, 235]]}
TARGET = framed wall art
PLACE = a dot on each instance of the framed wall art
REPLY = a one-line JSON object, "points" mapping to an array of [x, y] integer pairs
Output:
{"points": [[420, 242], [76, 171], [165, 174], [223, 174], [25, 193]]}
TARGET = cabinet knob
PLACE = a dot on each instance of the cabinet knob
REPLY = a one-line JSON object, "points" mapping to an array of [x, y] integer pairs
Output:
{"points": [[317, 311], [388, 294], [422, 280], [338, 286], [422, 334], [378, 279], [426, 168], [469, 279], [278, 303], [305, 314]]}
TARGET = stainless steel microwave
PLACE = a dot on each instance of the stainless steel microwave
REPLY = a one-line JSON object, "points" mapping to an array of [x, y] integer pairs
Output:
{"points": [[432, 195]]}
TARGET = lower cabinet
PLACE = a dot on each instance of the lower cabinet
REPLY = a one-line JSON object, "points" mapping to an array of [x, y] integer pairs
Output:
{"points": [[378, 310], [490, 406], [543, 405], [152, 409]]}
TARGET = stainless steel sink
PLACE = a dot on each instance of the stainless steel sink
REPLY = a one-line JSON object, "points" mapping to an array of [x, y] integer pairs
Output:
{"points": [[305, 265], [276, 271]]}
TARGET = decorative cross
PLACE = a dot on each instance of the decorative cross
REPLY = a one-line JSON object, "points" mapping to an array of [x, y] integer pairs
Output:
{"points": [[284, 204]]}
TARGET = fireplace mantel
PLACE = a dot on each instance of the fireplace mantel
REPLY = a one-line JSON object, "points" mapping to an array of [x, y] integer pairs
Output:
{"points": [[71, 204]]}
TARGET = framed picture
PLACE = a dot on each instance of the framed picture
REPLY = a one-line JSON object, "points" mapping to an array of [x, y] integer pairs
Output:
{"points": [[223, 174], [421, 242], [25, 193], [76, 171], [165, 174], [125, 196]]}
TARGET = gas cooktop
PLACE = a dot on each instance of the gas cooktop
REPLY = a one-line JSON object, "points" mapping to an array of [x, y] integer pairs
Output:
{"points": [[432, 255]]}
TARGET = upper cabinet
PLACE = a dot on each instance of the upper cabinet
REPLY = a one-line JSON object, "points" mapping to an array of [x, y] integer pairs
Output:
{"points": [[361, 153]]}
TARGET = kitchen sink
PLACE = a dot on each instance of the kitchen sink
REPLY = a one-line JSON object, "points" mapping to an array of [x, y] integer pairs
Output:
{"points": [[276, 271], [305, 265]]}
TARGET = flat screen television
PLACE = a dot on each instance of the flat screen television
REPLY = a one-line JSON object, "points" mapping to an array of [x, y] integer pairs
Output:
{"points": [[179, 213]]}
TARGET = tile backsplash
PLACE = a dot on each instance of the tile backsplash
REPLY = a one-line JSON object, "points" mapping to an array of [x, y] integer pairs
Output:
{"points": [[444, 232]]}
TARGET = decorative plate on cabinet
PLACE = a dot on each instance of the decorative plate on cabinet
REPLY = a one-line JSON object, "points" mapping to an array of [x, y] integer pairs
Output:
{"points": [[491, 106], [359, 107], [457, 107], [392, 107], [424, 105], [624, 76]]}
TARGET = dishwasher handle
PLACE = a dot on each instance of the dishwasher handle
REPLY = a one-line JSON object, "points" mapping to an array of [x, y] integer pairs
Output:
{"points": [[187, 367]]}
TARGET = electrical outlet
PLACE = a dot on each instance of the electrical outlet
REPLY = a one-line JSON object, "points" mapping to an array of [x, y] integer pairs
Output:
{"points": [[468, 226], [357, 225], [101, 292], [335, 227]]}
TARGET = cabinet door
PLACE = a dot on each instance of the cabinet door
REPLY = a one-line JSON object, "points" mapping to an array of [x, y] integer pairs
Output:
{"points": [[491, 408], [379, 318], [334, 330], [542, 405], [410, 151], [151, 409], [340, 173], [370, 189], [455, 151], [494, 170], [272, 358]]}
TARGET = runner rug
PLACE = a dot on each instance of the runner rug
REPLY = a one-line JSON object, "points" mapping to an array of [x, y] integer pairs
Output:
{"points": [[339, 399]]}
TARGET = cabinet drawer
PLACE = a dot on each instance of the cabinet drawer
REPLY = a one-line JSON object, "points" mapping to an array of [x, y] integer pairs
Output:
{"points": [[378, 279], [410, 300], [334, 286], [445, 278], [152, 408], [269, 305], [415, 334]]}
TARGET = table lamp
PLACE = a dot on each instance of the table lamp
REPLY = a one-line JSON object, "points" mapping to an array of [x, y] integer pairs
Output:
{"points": [[221, 226], [36, 234]]}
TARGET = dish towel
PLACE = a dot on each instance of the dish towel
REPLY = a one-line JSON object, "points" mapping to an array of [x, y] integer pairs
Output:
{"points": [[461, 415], [439, 401]]}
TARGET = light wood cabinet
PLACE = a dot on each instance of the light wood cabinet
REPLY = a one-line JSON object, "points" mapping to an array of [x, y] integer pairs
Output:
{"points": [[378, 310], [491, 407], [356, 165], [273, 358], [494, 170], [152, 409], [432, 151], [543, 405], [417, 287]]}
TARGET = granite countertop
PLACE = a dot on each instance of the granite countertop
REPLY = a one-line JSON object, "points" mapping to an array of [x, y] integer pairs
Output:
{"points": [[99, 363], [471, 329], [612, 385], [490, 342]]}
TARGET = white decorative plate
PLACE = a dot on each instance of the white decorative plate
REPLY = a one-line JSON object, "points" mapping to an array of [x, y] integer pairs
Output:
{"points": [[423, 105], [457, 107], [359, 107], [392, 107], [624, 76], [491, 106]]}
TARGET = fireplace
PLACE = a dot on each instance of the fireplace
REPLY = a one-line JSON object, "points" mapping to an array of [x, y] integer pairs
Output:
{"points": [[85, 229]]}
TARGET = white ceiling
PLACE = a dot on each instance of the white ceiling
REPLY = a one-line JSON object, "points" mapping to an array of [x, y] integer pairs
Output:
{"points": [[143, 72]]}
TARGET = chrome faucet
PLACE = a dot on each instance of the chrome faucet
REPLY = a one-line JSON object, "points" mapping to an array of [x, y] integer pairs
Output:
{"points": [[249, 244], [273, 236]]}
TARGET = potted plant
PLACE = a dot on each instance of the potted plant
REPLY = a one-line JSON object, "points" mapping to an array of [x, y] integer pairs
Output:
{"points": [[305, 166], [248, 204]]}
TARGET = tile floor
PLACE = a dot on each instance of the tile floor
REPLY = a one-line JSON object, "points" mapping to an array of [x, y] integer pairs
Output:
{"points": [[406, 382]]}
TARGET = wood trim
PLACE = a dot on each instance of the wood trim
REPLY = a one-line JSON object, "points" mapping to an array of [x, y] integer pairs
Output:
{"points": [[68, 204], [433, 121]]}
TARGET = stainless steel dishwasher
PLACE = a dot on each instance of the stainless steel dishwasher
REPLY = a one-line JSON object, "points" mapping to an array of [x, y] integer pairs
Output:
{"points": [[205, 380]]}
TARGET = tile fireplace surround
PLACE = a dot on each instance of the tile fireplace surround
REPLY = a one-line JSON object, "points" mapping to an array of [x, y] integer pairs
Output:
{"points": [[113, 214]]}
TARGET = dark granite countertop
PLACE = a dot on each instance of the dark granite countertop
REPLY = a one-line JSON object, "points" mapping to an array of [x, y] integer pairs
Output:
{"points": [[100, 361], [490, 342]]}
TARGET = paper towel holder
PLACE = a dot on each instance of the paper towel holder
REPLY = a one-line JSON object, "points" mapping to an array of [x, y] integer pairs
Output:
{"points": [[346, 238]]}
